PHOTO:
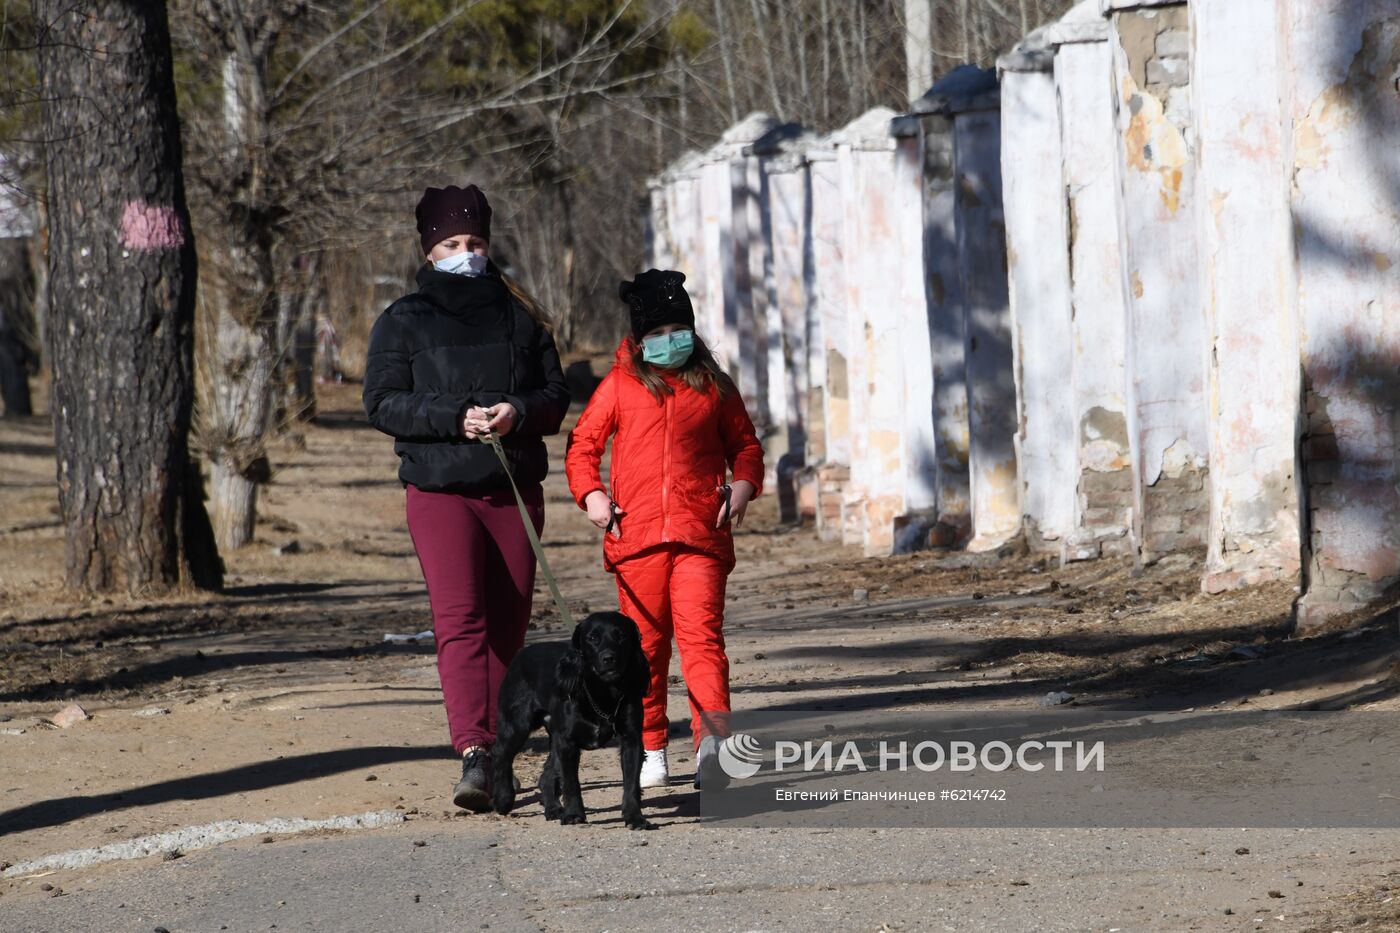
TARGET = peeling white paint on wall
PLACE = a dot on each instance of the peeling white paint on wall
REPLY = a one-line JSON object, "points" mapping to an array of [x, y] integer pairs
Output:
{"points": [[875, 496], [853, 250], [1098, 377], [991, 390], [1039, 279], [755, 291], [716, 256], [1343, 58], [828, 451], [1204, 281], [965, 242], [676, 229], [1246, 283], [918, 461], [947, 334], [830, 339], [1166, 341], [740, 348], [784, 223]]}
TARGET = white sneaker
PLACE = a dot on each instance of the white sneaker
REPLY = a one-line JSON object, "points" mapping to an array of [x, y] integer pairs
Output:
{"points": [[654, 773], [709, 774]]}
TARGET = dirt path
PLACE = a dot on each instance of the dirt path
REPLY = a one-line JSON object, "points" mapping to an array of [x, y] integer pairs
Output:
{"points": [[280, 698]]}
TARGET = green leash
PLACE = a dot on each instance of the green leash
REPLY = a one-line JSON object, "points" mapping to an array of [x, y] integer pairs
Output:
{"points": [[494, 440]]}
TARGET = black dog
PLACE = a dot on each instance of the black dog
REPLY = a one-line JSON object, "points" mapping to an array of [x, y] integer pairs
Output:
{"points": [[583, 693]]}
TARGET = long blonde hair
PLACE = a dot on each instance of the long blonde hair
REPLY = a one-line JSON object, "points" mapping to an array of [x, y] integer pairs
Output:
{"points": [[701, 372]]}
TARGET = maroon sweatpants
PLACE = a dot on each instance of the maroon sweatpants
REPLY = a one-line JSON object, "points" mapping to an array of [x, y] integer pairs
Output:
{"points": [[480, 572]]}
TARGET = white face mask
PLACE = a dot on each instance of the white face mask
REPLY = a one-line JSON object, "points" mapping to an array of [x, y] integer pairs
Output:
{"points": [[467, 263]]}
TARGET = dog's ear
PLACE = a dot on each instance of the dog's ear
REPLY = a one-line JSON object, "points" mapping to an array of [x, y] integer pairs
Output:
{"points": [[568, 672], [578, 636]]}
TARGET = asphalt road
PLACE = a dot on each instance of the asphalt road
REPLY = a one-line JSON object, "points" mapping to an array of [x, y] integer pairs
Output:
{"points": [[521, 874]]}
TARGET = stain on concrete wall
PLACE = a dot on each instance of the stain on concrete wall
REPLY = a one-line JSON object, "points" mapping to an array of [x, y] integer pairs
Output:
{"points": [[828, 449], [965, 293], [1345, 105], [918, 459], [1166, 340], [865, 163], [981, 243], [1098, 377], [1227, 204], [776, 221], [947, 337], [716, 257], [755, 331], [1038, 266], [879, 264], [745, 236], [1246, 285], [680, 228], [786, 217], [828, 334]]}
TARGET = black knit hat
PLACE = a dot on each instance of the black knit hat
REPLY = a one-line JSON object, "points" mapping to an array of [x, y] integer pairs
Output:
{"points": [[656, 297], [452, 211]]}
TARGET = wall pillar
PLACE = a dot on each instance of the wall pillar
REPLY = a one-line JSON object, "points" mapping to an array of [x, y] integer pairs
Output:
{"points": [[1344, 116], [1039, 278], [828, 421], [783, 333], [1246, 281], [1103, 484], [1166, 338], [872, 497]]}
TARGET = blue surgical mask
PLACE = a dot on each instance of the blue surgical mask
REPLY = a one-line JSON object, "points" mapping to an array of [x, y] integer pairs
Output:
{"points": [[668, 350], [467, 263]]}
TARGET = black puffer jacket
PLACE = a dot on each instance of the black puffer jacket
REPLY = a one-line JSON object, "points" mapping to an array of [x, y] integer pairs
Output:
{"points": [[460, 341]]}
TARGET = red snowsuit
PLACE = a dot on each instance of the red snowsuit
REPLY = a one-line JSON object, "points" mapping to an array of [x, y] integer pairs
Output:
{"points": [[668, 460]]}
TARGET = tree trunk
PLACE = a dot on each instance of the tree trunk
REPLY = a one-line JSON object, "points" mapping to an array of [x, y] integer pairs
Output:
{"points": [[244, 382], [304, 357], [15, 326], [236, 496], [122, 273], [302, 353], [296, 345], [726, 56], [918, 46], [825, 34], [287, 304], [763, 29], [239, 287], [572, 291], [39, 265], [965, 22]]}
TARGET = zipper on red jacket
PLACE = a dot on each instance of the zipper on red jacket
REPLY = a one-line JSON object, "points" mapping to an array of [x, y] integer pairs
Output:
{"points": [[666, 470]]}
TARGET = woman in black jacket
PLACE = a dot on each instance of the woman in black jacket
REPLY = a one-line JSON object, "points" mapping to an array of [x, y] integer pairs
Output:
{"points": [[466, 354]]}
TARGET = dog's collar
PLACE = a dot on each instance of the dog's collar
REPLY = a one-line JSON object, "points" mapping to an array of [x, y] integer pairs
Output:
{"points": [[610, 720]]}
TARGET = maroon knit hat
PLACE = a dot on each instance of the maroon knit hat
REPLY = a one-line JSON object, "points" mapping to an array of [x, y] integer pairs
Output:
{"points": [[452, 211]]}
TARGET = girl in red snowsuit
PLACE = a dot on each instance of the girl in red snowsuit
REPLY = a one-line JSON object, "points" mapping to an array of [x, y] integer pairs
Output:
{"points": [[678, 425]]}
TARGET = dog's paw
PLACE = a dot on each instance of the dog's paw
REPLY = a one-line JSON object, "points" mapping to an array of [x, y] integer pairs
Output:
{"points": [[552, 814], [639, 822], [568, 818]]}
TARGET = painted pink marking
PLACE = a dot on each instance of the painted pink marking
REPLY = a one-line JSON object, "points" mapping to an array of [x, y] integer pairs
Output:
{"points": [[151, 226]]}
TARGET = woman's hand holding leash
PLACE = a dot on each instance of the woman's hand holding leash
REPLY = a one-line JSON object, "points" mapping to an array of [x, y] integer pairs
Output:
{"points": [[604, 512], [477, 422], [736, 497]]}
